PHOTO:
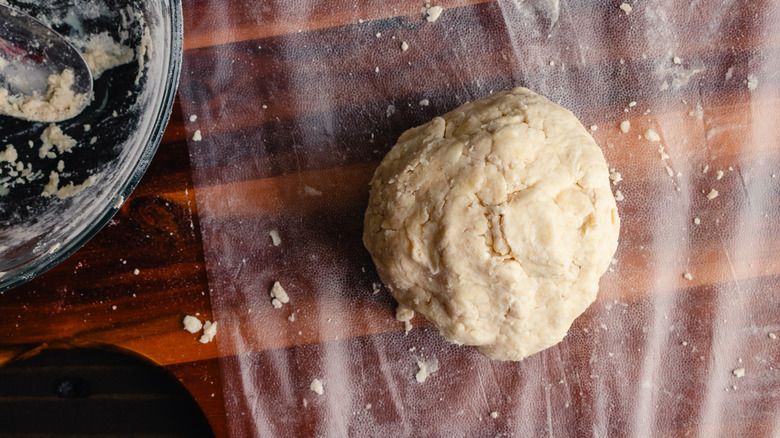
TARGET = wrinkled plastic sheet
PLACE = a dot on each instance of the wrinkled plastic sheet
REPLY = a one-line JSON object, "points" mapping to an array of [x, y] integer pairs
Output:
{"points": [[297, 102]]}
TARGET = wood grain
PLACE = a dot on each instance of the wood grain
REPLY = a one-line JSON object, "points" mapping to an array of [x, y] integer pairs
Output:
{"points": [[333, 139]]}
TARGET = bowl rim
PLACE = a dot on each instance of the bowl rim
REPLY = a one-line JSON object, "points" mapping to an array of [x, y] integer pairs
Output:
{"points": [[161, 118]]}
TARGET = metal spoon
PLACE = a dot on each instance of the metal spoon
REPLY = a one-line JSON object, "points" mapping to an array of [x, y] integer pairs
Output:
{"points": [[30, 53]]}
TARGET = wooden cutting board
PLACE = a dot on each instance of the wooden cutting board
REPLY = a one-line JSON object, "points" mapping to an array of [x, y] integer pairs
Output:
{"points": [[132, 284]]}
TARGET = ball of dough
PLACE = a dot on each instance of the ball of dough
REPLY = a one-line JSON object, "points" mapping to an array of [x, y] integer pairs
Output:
{"points": [[495, 221]]}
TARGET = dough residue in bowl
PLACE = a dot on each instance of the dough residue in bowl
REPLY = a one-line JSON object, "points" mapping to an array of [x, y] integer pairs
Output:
{"points": [[58, 103]]}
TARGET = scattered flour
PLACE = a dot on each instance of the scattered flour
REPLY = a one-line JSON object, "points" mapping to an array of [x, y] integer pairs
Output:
{"points": [[311, 191]]}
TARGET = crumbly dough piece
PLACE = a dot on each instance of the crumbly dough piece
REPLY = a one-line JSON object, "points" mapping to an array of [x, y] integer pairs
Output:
{"points": [[192, 324], [59, 103], [102, 53], [495, 221], [209, 331]]}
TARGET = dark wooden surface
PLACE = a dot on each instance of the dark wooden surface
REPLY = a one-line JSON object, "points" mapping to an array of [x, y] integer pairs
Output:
{"points": [[94, 298]]}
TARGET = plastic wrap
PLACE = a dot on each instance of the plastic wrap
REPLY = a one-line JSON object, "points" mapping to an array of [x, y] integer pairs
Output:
{"points": [[297, 102]]}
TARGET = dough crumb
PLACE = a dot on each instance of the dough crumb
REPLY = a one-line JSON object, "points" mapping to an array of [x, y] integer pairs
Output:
{"points": [[136, 271], [426, 369], [102, 53], [291, 318], [404, 315], [316, 386], [209, 331], [197, 135], [425, 102], [662, 153], [619, 196], [594, 127], [688, 276], [433, 13], [729, 73], [9, 154], [192, 324], [276, 303], [696, 221], [625, 126], [404, 46], [706, 168], [275, 239], [752, 82], [311, 191], [677, 60], [494, 415], [278, 292], [712, 194], [193, 118], [52, 137], [719, 175], [652, 135], [739, 372], [615, 177], [772, 336], [626, 8], [669, 171]]}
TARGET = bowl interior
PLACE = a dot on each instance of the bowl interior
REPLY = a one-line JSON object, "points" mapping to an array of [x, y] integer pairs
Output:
{"points": [[116, 135]]}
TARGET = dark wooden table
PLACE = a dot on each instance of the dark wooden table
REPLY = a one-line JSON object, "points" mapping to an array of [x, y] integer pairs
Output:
{"points": [[131, 285]]}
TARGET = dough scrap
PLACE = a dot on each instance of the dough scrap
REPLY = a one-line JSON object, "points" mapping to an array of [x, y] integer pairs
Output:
{"points": [[59, 103], [495, 221]]}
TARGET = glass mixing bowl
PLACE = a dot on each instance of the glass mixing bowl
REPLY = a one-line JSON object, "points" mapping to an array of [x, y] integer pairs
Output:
{"points": [[116, 135]]}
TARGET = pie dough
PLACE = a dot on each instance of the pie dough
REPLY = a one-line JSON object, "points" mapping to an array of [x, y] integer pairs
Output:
{"points": [[495, 221]]}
